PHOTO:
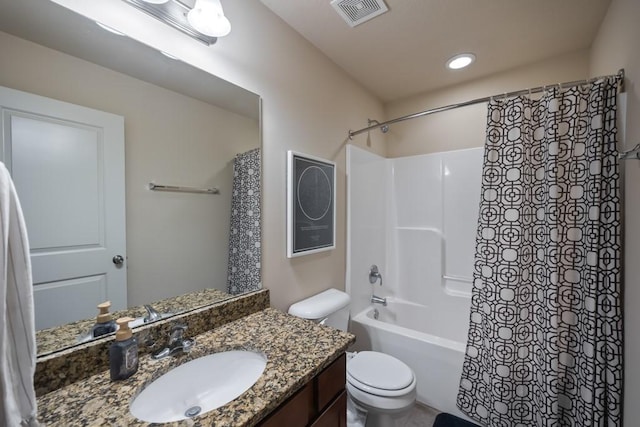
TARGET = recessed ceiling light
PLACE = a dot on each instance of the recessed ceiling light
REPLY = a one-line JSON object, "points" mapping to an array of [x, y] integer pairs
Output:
{"points": [[460, 61], [108, 28]]}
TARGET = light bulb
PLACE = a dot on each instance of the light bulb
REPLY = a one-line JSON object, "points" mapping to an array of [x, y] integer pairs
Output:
{"points": [[207, 18], [461, 61]]}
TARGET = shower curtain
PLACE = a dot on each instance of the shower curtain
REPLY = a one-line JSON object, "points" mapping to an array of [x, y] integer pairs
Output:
{"points": [[545, 337], [245, 231]]}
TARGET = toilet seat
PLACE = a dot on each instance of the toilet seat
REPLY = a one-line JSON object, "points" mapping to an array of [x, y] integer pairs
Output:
{"points": [[380, 374], [379, 391]]}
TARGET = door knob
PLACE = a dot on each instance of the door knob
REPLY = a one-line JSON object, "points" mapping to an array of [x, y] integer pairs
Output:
{"points": [[118, 260]]}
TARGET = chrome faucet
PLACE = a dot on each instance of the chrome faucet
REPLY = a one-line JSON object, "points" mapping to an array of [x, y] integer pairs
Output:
{"points": [[152, 314], [177, 343], [374, 275], [378, 300]]}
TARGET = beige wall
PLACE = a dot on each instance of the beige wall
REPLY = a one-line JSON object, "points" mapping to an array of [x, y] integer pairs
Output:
{"points": [[309, 105], [616, 46], [175, 242], [465, 127]]}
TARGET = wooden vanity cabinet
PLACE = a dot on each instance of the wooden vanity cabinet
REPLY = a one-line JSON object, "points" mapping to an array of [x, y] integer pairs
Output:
{"points": [[322, 402]]}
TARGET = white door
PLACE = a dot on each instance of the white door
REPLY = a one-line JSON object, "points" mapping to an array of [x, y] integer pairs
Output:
{"points": [[67, 163]]}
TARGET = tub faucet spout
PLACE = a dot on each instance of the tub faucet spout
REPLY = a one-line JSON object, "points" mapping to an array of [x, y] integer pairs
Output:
{"points": [[378, 300]]}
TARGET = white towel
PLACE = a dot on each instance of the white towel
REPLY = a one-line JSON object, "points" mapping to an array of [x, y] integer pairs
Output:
{"points": [[17, 324]]}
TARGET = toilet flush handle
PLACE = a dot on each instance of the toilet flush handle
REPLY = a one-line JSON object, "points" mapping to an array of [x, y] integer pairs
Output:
{"points": [[374, 275]]}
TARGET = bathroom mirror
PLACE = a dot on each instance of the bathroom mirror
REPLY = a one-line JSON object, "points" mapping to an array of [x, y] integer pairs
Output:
{"points": [[182, 127]]}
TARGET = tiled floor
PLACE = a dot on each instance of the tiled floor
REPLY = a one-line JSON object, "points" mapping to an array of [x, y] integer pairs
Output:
{"points": [[421, 416]]}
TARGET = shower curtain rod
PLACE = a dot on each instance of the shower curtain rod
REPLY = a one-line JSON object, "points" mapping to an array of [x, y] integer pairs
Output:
{"points": [[619, 76]]}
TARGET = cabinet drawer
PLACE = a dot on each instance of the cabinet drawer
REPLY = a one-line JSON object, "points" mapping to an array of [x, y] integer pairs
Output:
{"points": [[331, 382]]}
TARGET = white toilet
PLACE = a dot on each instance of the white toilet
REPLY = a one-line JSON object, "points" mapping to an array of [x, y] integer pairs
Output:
{"points": [[378, 384]]}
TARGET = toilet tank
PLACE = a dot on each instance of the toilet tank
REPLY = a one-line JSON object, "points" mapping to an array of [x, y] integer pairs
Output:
{"points": [[330, 307]]}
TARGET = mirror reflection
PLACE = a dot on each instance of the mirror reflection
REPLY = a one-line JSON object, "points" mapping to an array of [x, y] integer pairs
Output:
{"points": [[178, 126]]}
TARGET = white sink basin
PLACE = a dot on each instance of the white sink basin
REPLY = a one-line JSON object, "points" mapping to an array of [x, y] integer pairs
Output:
{"points": [[198, 386]]}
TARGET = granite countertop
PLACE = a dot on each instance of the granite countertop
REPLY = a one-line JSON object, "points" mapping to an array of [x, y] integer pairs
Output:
{"points": [[60, 337], [296, 350]]}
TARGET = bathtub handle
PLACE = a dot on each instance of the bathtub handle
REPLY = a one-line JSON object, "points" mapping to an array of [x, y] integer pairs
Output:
{"points": [[374, 275]]}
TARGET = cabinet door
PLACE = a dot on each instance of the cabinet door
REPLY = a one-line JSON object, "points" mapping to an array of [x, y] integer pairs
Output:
{"points": [[331, 382], [298, 411], [335, 415]]}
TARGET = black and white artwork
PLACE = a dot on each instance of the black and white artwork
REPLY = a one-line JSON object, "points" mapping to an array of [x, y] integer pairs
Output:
{"points": [[311, 210]]}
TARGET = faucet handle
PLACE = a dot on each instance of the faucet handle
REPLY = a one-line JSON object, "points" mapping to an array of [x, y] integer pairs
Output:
{"points": [[374, 275], [177, 344], [177, 331]]}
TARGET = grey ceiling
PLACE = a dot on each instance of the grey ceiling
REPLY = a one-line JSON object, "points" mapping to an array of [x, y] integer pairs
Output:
{"points": [[403, 52]]}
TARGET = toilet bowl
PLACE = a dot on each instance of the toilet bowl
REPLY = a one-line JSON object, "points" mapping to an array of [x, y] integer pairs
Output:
{"points": [[382, 386], [378, 384]]}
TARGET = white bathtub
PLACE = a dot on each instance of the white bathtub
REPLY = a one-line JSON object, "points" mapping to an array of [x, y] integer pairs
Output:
{"points": [[426, 339]]}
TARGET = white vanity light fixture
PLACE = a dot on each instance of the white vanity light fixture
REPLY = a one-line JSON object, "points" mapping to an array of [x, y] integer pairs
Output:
{"points": [[461, 61], [108, 28], [207, 17], [155, 1]]}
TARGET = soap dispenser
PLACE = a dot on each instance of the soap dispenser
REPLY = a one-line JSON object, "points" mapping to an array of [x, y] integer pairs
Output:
{"points": [[104, 323], [123, 352]]}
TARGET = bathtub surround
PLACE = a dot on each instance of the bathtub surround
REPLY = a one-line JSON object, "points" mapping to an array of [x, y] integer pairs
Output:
{"points": [[415, 217], [245, 251], [545, 336]]}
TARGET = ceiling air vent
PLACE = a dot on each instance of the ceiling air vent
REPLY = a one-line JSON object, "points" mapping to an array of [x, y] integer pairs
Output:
{"points": [[355, 12]]}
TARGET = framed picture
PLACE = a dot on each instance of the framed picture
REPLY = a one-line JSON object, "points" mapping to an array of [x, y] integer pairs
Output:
{"points": [[311, 204]]}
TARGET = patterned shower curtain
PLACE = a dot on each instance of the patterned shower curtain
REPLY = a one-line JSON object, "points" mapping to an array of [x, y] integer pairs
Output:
{"points": [[245, 231], [545, 336]]}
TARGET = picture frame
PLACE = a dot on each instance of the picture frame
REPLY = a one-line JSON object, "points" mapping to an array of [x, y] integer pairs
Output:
{"points": [[311, 204]]}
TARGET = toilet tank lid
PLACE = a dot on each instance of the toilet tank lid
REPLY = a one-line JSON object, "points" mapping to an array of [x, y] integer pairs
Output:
{"points": [[321, 305]]}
